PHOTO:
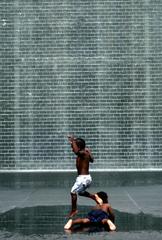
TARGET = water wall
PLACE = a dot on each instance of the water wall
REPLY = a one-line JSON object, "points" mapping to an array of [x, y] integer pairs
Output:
{"points": [[92, 68]]}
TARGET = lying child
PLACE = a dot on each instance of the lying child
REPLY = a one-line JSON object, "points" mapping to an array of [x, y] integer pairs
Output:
{"points": [[101, 214]]}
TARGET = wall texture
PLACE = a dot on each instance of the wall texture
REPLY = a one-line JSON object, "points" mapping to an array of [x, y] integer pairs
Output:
{"points": [[88, 67]]}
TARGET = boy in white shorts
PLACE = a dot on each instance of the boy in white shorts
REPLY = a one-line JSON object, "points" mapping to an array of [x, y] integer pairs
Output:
{"points": [[83, 181]]}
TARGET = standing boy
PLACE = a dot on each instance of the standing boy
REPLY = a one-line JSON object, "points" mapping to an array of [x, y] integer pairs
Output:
{"points": [[83, 180]]}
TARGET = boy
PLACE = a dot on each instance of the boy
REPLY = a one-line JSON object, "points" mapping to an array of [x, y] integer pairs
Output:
{"points": [[83, 181], [100, 214]]}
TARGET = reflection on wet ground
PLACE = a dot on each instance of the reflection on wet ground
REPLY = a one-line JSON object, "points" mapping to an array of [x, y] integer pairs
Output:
{"points": [[51, 219]]}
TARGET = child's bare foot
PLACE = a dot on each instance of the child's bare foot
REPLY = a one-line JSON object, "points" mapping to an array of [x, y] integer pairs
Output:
{"points": [[98, 199], [68, 224], [111, 225], [68, 231], [72, 213]]}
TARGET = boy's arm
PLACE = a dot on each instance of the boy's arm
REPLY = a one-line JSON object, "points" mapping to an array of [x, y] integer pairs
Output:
{"points": [[90, 155], [112, 216], [82, 153]]}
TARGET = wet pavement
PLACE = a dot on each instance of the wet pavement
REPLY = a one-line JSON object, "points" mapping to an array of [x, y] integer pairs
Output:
{"points": [[131, 199], [40, 213]]}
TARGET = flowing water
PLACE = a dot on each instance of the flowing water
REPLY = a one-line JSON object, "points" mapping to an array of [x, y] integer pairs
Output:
{"points": [[46, 222]]}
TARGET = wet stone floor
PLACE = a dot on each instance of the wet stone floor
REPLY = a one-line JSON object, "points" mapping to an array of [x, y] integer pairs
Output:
{"points": [[47, 222]]}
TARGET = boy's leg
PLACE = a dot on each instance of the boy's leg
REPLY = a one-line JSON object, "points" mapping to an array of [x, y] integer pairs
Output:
{"points": [[74, 198], [71, 222], [110, 224], [73, 205], [95, 197]]}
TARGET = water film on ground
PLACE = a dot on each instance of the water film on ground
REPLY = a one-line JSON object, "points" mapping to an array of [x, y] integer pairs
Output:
{"points": [[47, 222]]}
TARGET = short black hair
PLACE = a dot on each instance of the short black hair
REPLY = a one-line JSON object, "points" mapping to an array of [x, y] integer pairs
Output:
{"points": [[103, 196], [80, 143]]}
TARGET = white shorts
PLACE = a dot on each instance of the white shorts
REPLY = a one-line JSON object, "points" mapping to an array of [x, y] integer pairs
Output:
{"points": [[81, 184]]}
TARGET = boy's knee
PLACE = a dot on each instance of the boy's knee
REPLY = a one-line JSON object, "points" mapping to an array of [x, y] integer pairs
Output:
{"points": [[73, 194], [81, 193]]}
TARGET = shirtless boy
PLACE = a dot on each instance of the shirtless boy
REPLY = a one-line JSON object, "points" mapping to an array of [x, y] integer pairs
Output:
{"points": [[100, 214], [83, 180]]}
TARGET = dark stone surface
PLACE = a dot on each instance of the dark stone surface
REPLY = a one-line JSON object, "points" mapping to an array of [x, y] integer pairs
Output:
{"points": [[62, 179]]}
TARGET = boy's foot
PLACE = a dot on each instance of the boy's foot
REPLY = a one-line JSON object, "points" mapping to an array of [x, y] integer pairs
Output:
{"points": [[111, 225], [68, 231], [72, 213], [98, 199], [68, 224]]}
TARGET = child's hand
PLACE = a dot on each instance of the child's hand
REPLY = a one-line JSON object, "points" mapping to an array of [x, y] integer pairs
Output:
{"points": [[87, 150], [71, 138]]}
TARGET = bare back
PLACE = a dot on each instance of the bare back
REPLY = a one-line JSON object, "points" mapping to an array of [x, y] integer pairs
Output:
{"points": [[106, 207]]}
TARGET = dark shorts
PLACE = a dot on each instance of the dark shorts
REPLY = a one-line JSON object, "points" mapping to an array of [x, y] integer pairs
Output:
{"points": [[96, 216]]}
